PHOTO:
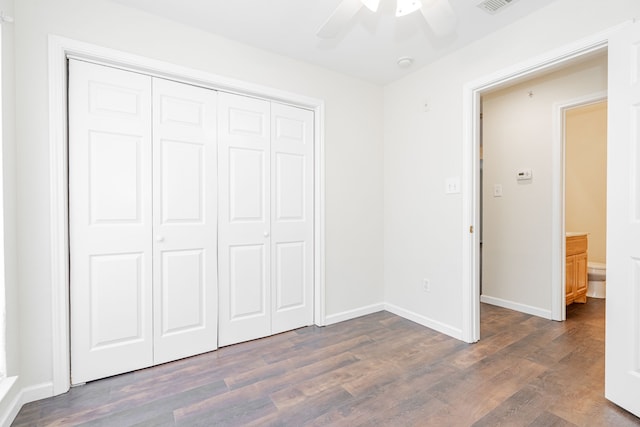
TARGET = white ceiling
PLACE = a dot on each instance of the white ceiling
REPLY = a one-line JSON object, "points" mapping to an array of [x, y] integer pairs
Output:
{"points": [[368, 48]]}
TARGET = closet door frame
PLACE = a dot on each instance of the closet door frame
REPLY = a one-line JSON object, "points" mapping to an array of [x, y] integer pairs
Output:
{"points": [[60, 49]]}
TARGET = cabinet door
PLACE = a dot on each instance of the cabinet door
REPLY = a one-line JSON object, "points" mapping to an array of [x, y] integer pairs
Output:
{"points": [[581, 275], [110, 221], [184, 229], [571, 279]]}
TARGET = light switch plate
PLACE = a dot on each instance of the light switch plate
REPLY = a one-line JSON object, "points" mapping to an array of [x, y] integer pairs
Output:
{"points": [[452, 185], [497, 190]]}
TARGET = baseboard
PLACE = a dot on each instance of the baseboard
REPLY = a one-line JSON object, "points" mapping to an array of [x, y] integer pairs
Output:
{"points": [[352, 314], [523, 308], [24, 396], [409, 315], [37, 392], [9, 411], [425, 321]]}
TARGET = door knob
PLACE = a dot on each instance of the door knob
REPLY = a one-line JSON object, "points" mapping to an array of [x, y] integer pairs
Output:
{"points": [[159, 238], [266, 234]]}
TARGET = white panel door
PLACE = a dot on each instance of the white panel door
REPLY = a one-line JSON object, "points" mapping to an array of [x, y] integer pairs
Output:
{"points": [[622, 371], [184, 224], [244, 218], [291, 217], [110, 221]]}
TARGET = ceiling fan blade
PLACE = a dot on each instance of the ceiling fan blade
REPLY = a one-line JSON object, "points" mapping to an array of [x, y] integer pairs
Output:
{"points": [[440, 16], [340, 17]]}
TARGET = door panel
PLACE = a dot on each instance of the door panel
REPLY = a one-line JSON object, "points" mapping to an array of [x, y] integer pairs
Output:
{"points": [[247, 285], [185, 230], [184, 308], [292, 212], [622, 369], [290, 187], [244, 218], [182, 173], [247, 186], [114, 198], [115, 287], [290, 274], [110, 231]]}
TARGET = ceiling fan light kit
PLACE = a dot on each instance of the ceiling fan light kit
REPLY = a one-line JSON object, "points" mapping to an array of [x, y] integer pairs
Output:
{"points": [[372, 5], [438, 14], [405, 7]]}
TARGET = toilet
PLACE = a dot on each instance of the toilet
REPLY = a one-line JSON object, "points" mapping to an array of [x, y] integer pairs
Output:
{"points": [[597, 279]]}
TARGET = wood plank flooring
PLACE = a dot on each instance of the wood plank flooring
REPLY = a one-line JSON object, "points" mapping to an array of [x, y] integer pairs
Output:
{"points": [[377, 370]]}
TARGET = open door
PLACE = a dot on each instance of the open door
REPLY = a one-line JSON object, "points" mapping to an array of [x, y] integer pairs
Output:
{"points": [[622, 373]]}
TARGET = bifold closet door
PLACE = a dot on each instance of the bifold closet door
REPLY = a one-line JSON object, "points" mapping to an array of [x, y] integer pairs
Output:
{"points": [[291, 217], [244, 218], [184, 220], [265, 218], [142, 220], [110, 221]]}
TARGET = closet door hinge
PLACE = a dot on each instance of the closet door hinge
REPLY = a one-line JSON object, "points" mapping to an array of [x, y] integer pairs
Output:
{"points": [[471, 229]]}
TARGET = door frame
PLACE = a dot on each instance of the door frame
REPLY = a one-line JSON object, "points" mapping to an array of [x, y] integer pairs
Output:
{"points": [[558, 158], [472, 92], [60, 49]]}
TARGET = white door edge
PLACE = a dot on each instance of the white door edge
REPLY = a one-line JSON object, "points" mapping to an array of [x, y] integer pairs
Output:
{"points": [[61, 48]]}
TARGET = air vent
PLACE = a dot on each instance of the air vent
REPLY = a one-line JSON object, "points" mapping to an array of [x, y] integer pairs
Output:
{"points": [[494, 6]]}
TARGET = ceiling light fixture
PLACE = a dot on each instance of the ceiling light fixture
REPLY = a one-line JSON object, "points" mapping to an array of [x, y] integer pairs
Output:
{"points": [[372, 5], [405, 7]]}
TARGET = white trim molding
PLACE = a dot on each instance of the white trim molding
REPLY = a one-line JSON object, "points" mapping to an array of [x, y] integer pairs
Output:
{"points": [[512, 305], [9, 411], [472, 92], [355, 313], [425, 321], [22, 397], [398, 311], [558, 245], [60, 49]]}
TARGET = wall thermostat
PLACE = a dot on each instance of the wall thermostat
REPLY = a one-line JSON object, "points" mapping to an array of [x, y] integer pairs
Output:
{"points": [[524, 175]]}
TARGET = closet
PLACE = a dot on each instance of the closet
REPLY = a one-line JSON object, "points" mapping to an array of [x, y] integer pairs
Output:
{"points": [[190, 219]]}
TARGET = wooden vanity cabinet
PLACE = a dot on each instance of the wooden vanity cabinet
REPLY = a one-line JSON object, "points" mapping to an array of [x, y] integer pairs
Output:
{"points": [[576, 269]]}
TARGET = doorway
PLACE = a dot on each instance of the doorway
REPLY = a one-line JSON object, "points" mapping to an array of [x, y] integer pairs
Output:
{"points": [[621, 371], [519, 179], [473, 92], [585, 192]]}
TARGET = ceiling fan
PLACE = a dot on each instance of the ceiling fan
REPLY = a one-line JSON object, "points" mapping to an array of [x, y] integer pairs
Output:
{"points": [[438, 14]]}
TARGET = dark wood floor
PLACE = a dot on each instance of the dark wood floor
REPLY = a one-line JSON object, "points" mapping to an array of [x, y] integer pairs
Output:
{"points": [[377, 370]]}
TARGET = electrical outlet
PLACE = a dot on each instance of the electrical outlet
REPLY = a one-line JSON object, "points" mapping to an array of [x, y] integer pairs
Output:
{"points": [[426, 285]]}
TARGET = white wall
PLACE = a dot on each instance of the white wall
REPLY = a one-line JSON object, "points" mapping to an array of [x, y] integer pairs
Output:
{"points": [[353, 144], [517, 134], [423, 226]]}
